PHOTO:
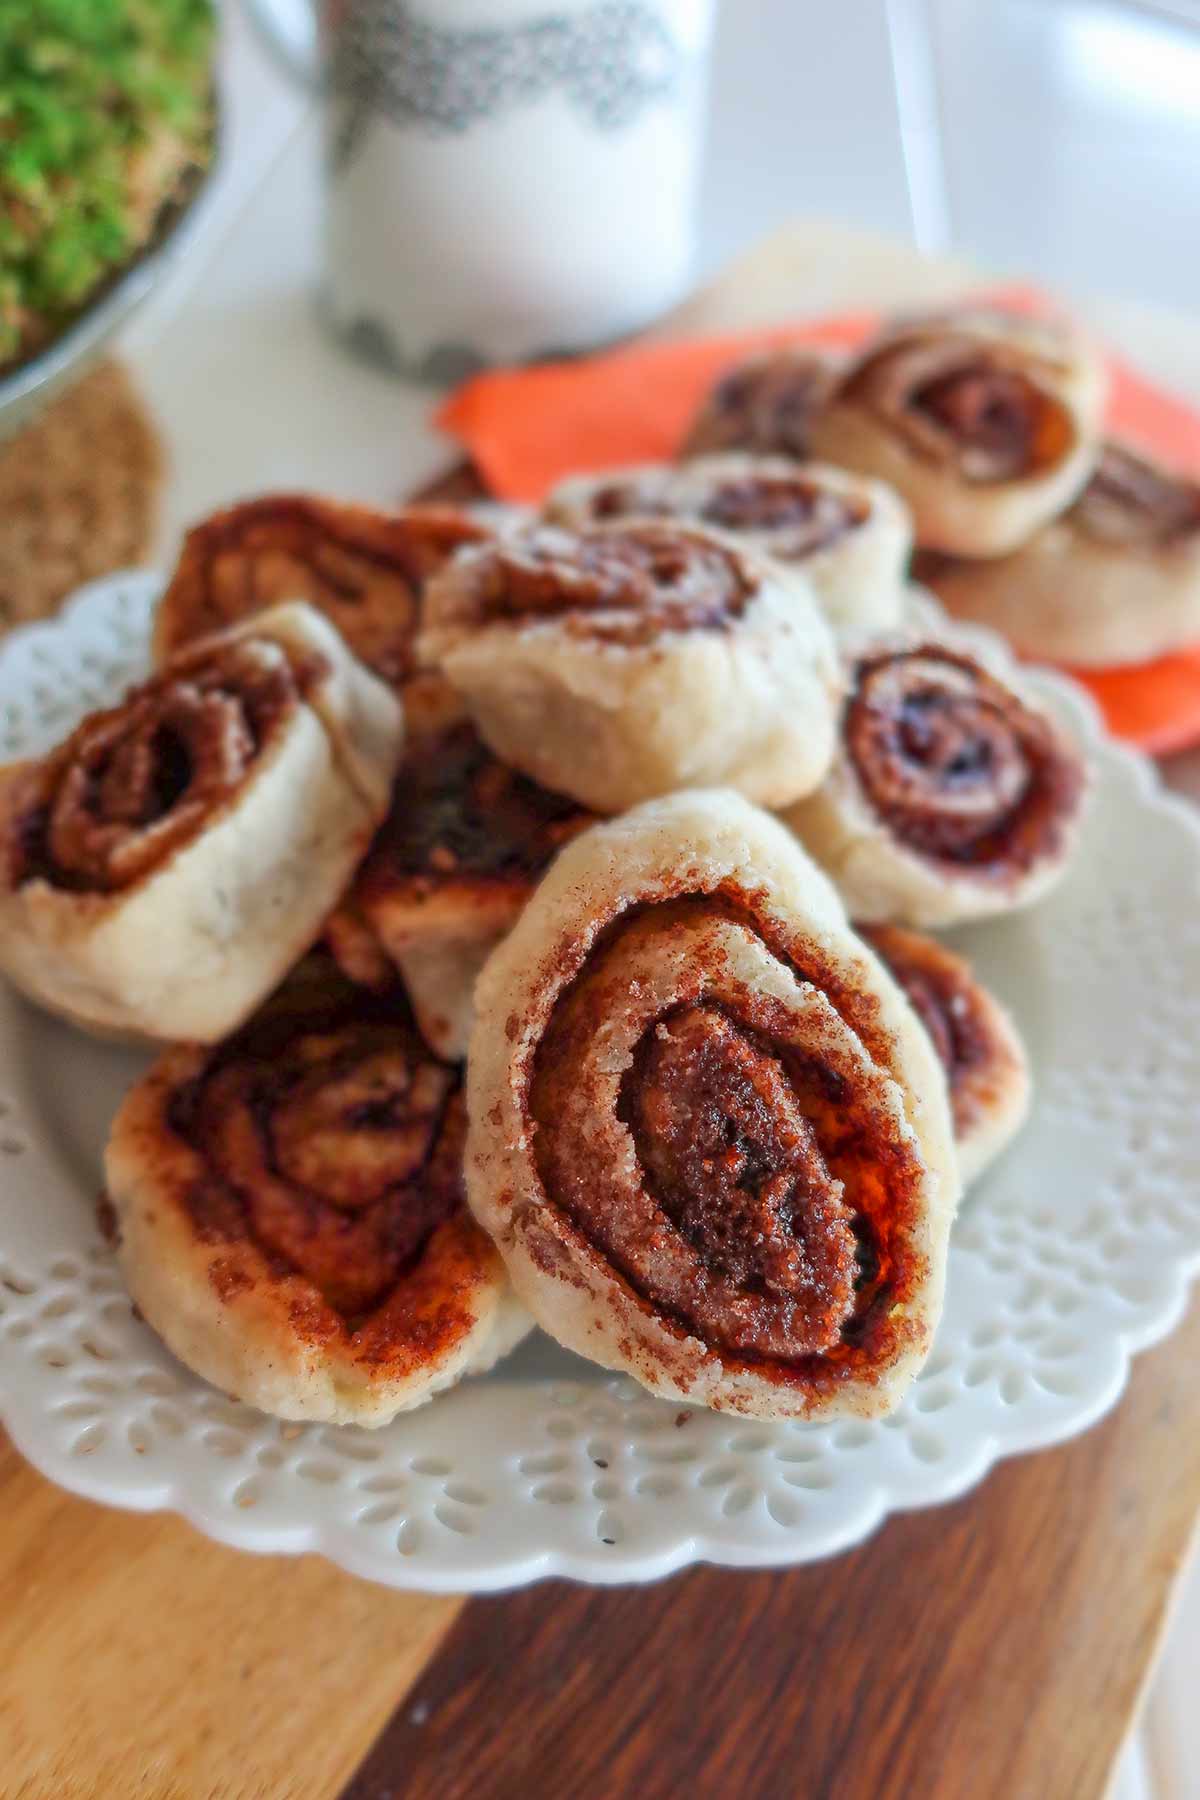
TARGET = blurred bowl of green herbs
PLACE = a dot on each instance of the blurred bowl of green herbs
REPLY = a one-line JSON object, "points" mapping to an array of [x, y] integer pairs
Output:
{"points": [[107, 135]]}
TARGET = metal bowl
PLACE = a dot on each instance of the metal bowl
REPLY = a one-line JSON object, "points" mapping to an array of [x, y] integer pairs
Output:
{"points": [[26, 388]]}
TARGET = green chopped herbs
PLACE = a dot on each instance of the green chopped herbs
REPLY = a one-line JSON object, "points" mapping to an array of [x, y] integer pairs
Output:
{"points": [[105, 109]]}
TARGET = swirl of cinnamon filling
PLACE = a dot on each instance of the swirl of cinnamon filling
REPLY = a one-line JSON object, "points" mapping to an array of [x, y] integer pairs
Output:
{"points": [[950, 1005], [766, 404], [461, 816], [797, 516], [802, 516], [461, 850], [136, 783], [977, 1043], [956, 764], [333, 1145], [1130, 500], [956, 400], [708, 1136], [289, 1210], [624, 586], [731, 1152], [364, 570]]}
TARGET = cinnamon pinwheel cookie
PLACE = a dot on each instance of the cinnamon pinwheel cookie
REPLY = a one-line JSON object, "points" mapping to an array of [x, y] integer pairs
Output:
{"points": [[846, 536], [363, 569], [1115, 580], [986, 425], [766, 403], [708, 1133], [637, 657], [165, 866], [460, 852], [290, 1214], [952, 795], [987, 1070]]}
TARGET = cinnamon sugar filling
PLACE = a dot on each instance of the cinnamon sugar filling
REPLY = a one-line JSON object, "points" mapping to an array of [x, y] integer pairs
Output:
{"points": [[955, 763]]}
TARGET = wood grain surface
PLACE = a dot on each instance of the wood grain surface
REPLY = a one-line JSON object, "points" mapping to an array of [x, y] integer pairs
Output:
{"points": [[989, 1650], [140, 1662], [994, 1649]]}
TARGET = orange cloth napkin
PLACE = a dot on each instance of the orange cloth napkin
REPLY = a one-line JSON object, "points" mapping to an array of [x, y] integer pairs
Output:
{"points": [[525, 429]]}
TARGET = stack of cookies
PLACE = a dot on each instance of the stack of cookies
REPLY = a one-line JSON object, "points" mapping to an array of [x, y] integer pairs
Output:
{"points": [[535, 922]]}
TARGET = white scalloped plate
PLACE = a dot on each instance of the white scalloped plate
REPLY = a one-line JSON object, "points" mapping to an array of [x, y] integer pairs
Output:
{"points": [[1072, 1254]]}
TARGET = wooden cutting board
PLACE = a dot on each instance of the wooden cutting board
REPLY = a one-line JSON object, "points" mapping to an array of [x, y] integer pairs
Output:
{"points": [[996, 1647]]}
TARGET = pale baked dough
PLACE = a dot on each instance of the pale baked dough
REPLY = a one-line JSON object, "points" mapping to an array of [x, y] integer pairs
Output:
{"points": [[976, 1038], [998, 1120], [885, 872], [264, 1331], [846, 535], [439, 968], [966, 496], [437, 964], [440, 981], [1114, 581], [609, 684], [828, 995], [188, 948]]}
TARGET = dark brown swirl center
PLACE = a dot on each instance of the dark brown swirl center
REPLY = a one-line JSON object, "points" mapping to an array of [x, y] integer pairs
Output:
{"points": [[726, 1149], [735, 1164], [960, 402], [955, 762], [134, 784]]}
